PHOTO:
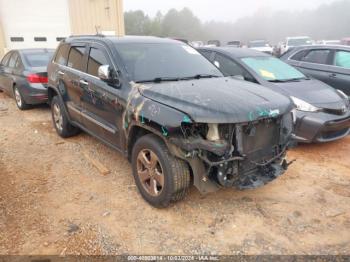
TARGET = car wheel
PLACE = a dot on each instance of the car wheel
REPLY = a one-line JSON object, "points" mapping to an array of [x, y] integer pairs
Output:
{"points": [[60, 120], [21, 104], [160, 177]]}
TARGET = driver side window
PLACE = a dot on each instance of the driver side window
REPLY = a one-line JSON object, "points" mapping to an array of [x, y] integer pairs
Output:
{"points": [[230, 68], [227, 66], [97, 58]]}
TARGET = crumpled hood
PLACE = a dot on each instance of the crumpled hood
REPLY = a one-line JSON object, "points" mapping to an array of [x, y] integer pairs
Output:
{"points": [[218, 100], [314, 92]]}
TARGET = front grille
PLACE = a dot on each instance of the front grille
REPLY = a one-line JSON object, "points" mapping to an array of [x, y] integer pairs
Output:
{"points": [[339, 111]]}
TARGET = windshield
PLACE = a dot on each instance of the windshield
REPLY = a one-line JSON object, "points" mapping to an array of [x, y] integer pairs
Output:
{"points": [[235, 43], [299, 41], [258, 44], [272, 69], [38, 59], [146, 62]]}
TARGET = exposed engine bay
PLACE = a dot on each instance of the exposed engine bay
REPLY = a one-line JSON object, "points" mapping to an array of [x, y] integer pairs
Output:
{"points": [[244, 155]]}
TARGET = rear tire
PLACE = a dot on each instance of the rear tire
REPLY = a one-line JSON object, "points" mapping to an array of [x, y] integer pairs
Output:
{"points": [[21, 104], [150, 159], [60, 120]]}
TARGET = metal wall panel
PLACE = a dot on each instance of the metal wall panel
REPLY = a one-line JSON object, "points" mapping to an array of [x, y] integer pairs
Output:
{"points": [[91, 16], [2, 41]]}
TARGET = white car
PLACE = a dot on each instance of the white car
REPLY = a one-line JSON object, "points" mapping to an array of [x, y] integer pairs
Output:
{"points": [[329, 42], [295, 41], [261, 45]]}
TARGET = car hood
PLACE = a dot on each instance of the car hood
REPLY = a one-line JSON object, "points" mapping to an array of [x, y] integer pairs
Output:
{"points": [[314, 92], [218, 100]]}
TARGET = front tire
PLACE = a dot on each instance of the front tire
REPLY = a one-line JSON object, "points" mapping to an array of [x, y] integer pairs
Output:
{"points": [[60, 120], [160, 177], [21, 104]]}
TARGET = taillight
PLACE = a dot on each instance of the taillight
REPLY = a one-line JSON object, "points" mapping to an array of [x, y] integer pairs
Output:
{"points": [[37, 79]]}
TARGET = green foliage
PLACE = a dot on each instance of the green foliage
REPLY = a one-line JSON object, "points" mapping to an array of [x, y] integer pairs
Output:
{"points": [[173, 24], [330, 21]]}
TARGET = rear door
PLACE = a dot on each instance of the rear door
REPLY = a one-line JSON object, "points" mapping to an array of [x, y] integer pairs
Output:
{"points": [[71, 76], [315, 63], [339, 75], [102, 112]]}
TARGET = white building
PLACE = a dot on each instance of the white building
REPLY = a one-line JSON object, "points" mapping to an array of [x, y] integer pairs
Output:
{"points": [[43, 23]]}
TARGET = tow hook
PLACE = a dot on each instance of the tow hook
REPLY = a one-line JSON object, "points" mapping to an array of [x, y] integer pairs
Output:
{"points": [[286, 164]]}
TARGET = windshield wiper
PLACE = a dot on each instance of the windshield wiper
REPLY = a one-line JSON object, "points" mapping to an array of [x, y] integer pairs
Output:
{"points": [[159, 80], [199, 76], [288, 80], [166, 79]]}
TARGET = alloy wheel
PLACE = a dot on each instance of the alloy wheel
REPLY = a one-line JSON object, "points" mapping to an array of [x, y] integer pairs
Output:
{"points": [[150, 172], [57, 116], [18, 98]]}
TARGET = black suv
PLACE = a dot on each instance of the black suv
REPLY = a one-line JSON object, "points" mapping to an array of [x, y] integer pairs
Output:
{"points": [[171, 112]]}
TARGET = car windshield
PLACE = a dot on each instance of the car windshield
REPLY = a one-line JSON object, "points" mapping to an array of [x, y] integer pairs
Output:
{"points": [[273, 69], [150, 61], [258, 44], [38, 59], [299, 41], [236, 43]]}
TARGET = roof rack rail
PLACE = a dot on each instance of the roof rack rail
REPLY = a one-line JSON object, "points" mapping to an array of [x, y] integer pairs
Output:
{"points": [[96, 35]]}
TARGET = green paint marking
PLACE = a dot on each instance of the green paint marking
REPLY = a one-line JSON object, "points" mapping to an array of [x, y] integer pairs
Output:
{"points": [[142, 118], [186, 119], [165, 132]]}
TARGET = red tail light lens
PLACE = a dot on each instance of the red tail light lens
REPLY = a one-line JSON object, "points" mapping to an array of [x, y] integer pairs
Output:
{"points": [[37, 79]]}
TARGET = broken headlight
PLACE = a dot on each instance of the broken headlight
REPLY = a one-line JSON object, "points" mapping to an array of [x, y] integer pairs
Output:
{"points": [[304, 106]]}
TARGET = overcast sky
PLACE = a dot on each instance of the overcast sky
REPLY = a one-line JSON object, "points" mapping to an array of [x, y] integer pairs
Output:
{"points": [[221, 10]]}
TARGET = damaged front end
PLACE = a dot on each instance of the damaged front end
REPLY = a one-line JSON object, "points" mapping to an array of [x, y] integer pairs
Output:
{"points": [[244, 155]]}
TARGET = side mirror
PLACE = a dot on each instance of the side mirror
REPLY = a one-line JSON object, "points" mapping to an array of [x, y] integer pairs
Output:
{"points": [[104, 73], [239, 77], [108, 75]]}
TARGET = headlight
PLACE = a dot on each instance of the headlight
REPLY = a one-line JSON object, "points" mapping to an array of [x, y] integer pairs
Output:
{"points": [[346, 98], [342, 94], [304, 106]]}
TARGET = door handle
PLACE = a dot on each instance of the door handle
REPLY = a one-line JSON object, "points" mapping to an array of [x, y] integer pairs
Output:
{"points": [[83, 83], [333, 75], [60, 73]]}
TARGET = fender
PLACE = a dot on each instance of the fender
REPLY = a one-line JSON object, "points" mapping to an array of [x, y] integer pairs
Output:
{"points": [[59, 94], [166, 123]]}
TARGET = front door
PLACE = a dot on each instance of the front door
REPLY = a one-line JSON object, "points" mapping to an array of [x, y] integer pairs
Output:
{"points": [[102, 111]]}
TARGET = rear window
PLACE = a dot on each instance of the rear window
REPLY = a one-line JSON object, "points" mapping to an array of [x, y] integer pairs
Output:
{"points": [[5, 59], [75, 57], [62, 55], [317, 56], [38, 59], [298, 56]]}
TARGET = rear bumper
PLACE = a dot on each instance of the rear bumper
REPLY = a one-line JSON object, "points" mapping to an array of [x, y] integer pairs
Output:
{"points": [[35, 94], [321, 127]]}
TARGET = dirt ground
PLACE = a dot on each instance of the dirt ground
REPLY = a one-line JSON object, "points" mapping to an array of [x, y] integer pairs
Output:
{"points": [[54, 201]]}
